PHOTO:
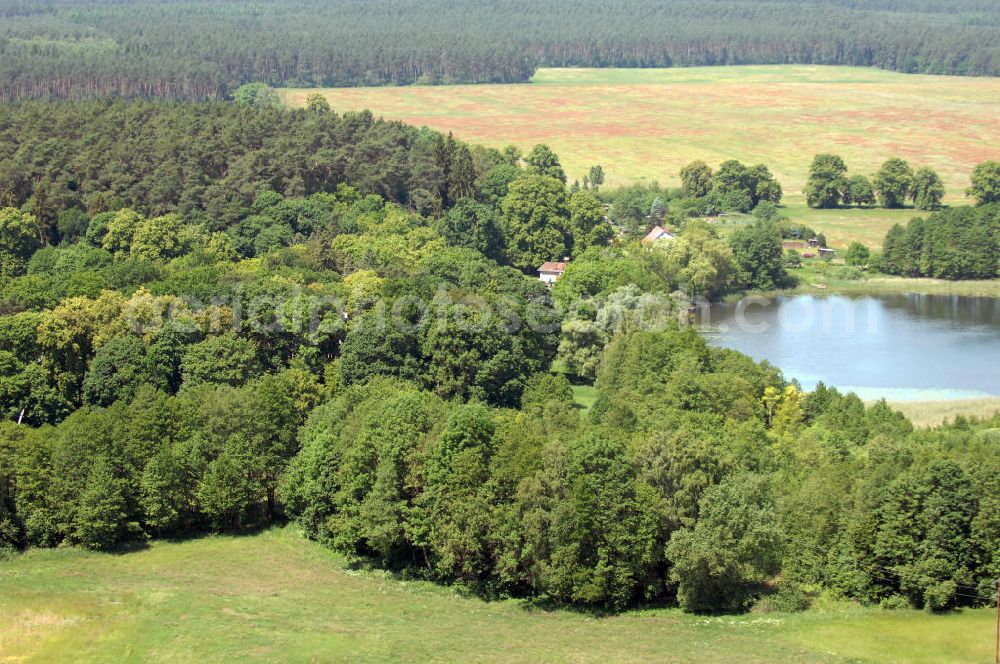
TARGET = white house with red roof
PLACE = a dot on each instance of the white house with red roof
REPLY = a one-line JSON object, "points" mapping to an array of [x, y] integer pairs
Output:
{"points": [[658, 233], [550, 272]]}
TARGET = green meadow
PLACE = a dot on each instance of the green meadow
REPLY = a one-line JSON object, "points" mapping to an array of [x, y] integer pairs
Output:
{"points": [[276, 597]]}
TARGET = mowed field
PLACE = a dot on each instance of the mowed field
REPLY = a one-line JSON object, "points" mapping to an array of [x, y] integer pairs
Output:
{"points": [[645, 124], [275, 597]]}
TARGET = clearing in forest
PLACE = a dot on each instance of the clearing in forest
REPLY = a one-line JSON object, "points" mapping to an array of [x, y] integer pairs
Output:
{"points": [[274, 597]]}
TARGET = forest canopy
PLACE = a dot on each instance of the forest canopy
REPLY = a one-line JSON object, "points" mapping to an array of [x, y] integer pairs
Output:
{"points": [[202, 50], [214, 317]]}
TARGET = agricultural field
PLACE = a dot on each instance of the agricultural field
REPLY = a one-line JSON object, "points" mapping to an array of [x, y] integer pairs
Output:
{"points": [[277, 597], [645, 124]]}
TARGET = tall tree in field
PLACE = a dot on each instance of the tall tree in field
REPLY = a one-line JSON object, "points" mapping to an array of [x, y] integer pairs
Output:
{"points": [[985, 186], [827, 181], [894, 183], [535, 221], [859, 192], [731, 187], [696, 179], [741, 188], [928, 189], [596, 177], [456, 498], [599, 526], [764, 187]]}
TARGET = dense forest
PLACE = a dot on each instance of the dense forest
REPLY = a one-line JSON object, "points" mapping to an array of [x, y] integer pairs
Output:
{"points": [[960, 243], [212, 157], [336, 320], [204, 50]]}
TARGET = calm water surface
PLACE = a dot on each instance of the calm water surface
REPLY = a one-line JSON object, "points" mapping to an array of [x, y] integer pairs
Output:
{"points": [[901, 347]]}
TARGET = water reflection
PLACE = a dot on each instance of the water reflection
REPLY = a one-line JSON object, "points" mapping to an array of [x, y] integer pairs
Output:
{"points": [[897, 346]]}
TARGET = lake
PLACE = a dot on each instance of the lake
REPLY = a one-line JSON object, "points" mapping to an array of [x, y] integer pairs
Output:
{"points": [[901, 347]]}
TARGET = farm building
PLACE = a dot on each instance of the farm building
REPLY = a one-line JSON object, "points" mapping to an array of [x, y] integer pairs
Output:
{"points": [[550, 272], [827, 253], [658, 233]]}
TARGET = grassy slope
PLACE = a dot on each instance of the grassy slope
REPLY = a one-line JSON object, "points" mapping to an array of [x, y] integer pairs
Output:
{"points": [[644, 124], [277, 597]]}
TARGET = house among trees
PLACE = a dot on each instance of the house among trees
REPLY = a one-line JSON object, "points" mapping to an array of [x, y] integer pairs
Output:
{"points": [[550, 272], [658, 233]]}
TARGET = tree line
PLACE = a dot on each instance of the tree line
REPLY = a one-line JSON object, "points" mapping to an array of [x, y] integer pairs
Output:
{"points": [[380, 364], [958, 243], [955, 243], [158, 157], [699, 478], [201, 50], [895, 183]]}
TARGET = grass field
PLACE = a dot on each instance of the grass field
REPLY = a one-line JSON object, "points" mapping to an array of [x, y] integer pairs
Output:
{"points": [[647, 123], [276, 597], [817, 277], [931, 413]]}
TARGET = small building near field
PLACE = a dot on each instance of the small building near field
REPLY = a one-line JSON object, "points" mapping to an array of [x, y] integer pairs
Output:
{"points": [[658, 233], [828, 254], [550, 272]]}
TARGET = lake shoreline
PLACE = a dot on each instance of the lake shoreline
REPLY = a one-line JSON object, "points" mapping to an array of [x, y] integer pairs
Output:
{"points": [[817, 277], [887, 285], [926, 354], [925, 414], [879, 285]]}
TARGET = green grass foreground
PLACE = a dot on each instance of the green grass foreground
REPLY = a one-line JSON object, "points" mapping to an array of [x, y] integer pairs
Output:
{"points": [[277, 597]]}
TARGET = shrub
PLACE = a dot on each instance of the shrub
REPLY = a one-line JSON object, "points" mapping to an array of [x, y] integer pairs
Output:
{"points": [[789, 597], [894, 603], [846, 273]]}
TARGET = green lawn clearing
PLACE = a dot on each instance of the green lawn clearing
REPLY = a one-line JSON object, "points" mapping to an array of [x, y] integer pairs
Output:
{"points": [[275, 597]]}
